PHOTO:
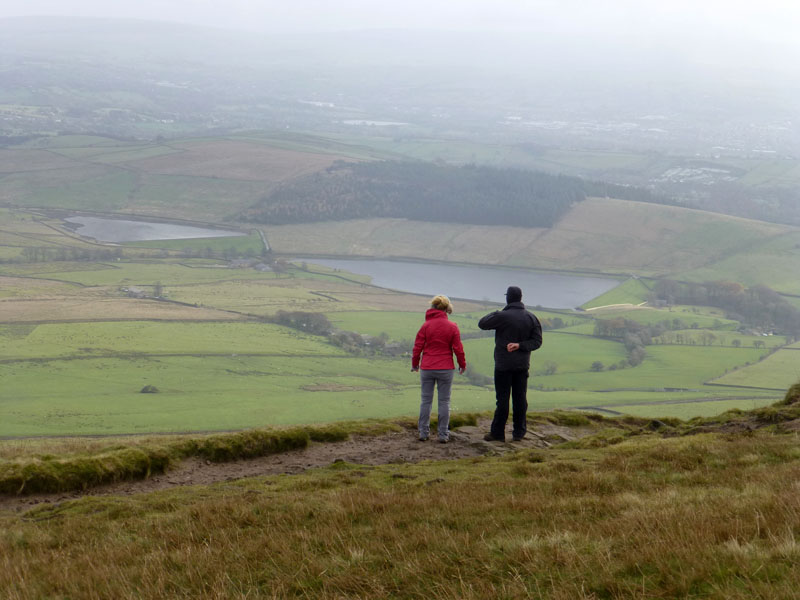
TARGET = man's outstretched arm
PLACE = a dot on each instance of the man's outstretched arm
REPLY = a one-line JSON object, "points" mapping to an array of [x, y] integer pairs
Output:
{"points": [[490, 321]]}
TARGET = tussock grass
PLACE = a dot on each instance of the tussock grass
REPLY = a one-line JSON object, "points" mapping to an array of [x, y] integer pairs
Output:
{"points": [[706, 516], [58, 475], [792, 395], [456, 420], [96, 463]]}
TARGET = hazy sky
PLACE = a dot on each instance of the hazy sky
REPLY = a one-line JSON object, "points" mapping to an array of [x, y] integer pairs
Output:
{"points": [[764, 20]]}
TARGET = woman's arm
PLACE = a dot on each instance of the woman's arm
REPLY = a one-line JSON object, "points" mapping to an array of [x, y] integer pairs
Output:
{"points": [[458, 349], [419, 344]]}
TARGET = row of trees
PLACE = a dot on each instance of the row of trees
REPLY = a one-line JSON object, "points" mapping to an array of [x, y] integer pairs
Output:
{"points": [[626, 192], [356, 343], [635, 336], [757, 306], [35, 254], [422, 191], [351, 341], [39, 254]]}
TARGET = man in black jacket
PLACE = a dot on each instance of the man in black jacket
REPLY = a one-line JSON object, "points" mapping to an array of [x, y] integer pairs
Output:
{"points": [[517, 334]]}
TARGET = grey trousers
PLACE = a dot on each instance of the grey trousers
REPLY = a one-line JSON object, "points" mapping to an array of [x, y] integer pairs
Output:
{"points": [[443, 380]]}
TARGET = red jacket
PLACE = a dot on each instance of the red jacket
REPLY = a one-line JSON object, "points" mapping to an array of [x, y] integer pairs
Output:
{"points": [[436, 341]]}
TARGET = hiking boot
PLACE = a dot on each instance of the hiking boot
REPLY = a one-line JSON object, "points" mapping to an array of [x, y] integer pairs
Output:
{"points": [[490, 438], [423, 438], [516, 438], [443, 440]]}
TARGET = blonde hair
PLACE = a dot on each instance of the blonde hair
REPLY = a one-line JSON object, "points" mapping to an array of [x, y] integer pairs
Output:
{"points": [[442, 303]]}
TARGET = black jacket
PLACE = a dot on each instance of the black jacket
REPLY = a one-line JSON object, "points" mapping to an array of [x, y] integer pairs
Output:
{"points": [[513, 324]]}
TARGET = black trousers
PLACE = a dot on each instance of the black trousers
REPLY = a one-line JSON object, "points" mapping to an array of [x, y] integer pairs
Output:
{"points": [[515, 385]]}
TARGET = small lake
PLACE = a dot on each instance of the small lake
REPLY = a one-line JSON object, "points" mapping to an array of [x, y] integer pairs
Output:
{"points": [[551, 290], [119, 230]]}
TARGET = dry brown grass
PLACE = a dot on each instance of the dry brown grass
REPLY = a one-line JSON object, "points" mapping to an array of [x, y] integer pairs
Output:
{"points": [[267, 296], [655, 239], [229, 159], [22, 287], [90, 307], [21, 160], [12, 449], [401, 238], [700, 517]]}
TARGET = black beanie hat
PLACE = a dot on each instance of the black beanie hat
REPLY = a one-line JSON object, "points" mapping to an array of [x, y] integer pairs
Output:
{"points": [[513, 294]]}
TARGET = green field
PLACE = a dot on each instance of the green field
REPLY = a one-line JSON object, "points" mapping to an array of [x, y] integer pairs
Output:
{"points": [[774, 173], [770, 262], [300, 384], [86, 376], [85, 340], [665, 367], [689, 410], [245, 245], [136, 273], [778, 371], [404, 325], [631, 291]]}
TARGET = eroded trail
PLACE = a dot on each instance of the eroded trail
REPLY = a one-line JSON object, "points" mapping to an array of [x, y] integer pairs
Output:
{"points": [[395, 447]]}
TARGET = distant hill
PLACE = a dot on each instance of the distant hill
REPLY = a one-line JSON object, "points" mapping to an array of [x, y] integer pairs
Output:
{"points": [[206, 179]]}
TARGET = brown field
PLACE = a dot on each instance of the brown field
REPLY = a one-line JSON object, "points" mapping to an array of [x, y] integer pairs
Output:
{"points": [[267, 296], [633, 236], [39, 234], [23, 287], [93, 308], [74, 172], [21, 160], [617, 235], [382, 238], [235, 160]]}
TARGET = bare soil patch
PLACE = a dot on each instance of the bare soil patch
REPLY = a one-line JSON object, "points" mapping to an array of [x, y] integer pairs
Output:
{"points": [[390, 448]]}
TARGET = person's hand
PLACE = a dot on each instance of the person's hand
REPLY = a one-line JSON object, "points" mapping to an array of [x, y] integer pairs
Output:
{"points": [[414, 369], [461, 370], [512, 347]]}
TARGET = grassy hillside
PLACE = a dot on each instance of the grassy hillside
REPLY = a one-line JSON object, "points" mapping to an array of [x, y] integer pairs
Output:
{"points": [[597, 235], [198, 179], [77, 349], [620, 513], [211, 179]]}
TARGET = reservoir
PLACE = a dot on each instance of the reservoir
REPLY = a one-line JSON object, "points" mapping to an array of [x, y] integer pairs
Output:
{"points": [[118, 230], [483, 283]]}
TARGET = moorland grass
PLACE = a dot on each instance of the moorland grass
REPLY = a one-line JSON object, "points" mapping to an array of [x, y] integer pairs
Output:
{"points": [[704, 516], [33, 468], [113, 460]]}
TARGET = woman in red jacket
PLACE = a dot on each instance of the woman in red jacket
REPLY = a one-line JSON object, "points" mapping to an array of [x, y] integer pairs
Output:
{"points": [[437, 340]]}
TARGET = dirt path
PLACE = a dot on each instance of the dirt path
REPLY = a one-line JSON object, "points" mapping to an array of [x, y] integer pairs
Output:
{"points": [[397, 447]]}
